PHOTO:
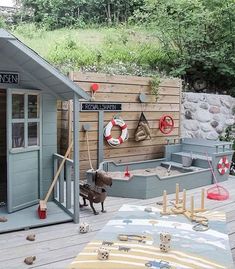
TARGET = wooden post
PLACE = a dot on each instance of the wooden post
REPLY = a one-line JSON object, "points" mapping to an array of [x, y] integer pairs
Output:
{"points": [[203, 199], [70, 118], [61, 186], [68, 185], [55, 170], [184, 200], [101, 138], [177, 193], [192, 207], [76, 156], [164, 202]]}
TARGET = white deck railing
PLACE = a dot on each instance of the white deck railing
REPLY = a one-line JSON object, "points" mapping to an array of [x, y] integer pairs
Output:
{"points": [[63, 191]]}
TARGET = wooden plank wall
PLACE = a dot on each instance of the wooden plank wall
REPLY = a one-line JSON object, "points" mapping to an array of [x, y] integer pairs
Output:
{"points": [[3, 170], [125, 90]]}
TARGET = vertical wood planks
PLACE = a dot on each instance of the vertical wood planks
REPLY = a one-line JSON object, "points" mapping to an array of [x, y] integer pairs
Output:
{"points": [[124, 90]]}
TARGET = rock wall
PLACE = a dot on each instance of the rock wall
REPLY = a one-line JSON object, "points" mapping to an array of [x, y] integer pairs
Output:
{"points": [[206, 115], [8, 12]]}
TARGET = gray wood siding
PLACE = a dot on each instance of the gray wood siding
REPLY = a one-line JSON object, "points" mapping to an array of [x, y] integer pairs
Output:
{"points": [[49, 140], [3, 170]]}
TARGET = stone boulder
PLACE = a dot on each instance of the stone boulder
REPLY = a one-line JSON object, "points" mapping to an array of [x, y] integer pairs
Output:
{"points": [[191, 125], [213, 100], [214, 110], [202, 115]]}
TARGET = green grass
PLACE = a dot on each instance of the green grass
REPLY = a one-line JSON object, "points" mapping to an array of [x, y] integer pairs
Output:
{"points": [[123, 50]]}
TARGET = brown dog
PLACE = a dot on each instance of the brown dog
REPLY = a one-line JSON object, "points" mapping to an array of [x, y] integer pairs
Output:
{"points": [[97, 193]]}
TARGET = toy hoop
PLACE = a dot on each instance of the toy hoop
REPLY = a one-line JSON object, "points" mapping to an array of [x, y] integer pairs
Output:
{"points": [[223, 165], [166, 124], [122, 138]]}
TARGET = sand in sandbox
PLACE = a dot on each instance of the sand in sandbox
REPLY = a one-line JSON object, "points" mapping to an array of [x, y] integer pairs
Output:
{"points": [[159, 170]]}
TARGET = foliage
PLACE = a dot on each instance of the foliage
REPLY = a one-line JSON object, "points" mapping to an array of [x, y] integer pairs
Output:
{"points": [[154, 83], [114, 50], [229, 136], [193, 39], [29, 31], [56, 14], [198, 37], [2, 22]]}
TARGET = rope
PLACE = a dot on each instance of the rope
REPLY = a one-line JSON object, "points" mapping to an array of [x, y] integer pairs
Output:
{"points": [[88, 150], [212, 171]]}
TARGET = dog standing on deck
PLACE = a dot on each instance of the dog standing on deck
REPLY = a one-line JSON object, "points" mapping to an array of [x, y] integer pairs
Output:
{"points": [[97, 193]]}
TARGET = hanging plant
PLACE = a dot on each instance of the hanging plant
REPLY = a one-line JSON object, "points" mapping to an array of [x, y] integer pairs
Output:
{"points": [[154, 84]]}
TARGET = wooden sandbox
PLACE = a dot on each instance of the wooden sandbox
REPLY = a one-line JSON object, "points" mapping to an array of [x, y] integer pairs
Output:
{"points": [[149, 184], [150, 178]]}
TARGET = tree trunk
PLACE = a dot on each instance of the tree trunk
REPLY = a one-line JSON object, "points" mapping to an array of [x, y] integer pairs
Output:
{"points": [[109, 14]]}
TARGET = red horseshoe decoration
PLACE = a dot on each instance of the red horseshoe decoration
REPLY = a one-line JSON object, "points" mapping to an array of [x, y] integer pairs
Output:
{"points": [[166, 124]]}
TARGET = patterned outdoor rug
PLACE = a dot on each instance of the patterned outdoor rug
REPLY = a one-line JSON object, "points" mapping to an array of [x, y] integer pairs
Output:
{"points": [[142, 227]]}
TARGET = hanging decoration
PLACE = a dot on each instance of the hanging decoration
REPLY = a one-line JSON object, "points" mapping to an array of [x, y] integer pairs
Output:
{"points": [[122, 138], [223, 165], [94, 89], [166, 124], [143, 130]]}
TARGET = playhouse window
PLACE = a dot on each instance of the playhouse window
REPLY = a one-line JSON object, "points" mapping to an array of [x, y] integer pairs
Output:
{"points": [[33, 137], [18, 135], [25, 120], [17, 106]]}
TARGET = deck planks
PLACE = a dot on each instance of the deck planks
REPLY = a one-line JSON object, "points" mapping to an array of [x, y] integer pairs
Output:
{"points": [[57, 245]]}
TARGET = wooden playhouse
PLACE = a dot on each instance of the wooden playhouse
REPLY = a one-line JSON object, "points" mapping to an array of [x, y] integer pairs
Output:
{"points": [[29, 90]]}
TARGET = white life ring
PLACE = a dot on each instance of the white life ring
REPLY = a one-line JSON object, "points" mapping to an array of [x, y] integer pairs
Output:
{"points": [[223, 165], [122, 138]]}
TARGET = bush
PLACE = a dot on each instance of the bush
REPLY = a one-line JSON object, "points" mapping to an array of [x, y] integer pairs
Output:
{"points": [[228, 136], [202, 35], [116, 49], [2, 22], [29, 30]]}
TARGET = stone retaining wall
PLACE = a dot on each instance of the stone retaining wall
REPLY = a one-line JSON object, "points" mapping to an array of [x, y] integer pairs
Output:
{"points": [[206, 115], [8, 12]]}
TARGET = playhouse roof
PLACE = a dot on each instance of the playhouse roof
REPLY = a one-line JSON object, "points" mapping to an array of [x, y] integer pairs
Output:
{"points": [[42, 74]]}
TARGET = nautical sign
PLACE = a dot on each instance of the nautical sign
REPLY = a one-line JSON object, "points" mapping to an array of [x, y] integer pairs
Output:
{"points": [[9, 78], [100, 107]]}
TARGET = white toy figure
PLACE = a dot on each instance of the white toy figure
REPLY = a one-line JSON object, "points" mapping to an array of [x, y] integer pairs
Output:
{"points": [[165, 247], [103, 253], [84, 227], [165, 237]]}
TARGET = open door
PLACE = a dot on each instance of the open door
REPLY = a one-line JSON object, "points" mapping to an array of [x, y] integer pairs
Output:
{"points": [[23, 149], [3, 148]]}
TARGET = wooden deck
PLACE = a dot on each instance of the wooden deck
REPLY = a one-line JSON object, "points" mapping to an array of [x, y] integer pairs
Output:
{"points": [[28, 217], [57, 245]]}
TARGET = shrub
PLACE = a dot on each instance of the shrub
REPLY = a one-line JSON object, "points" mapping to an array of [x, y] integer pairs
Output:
{"points": [[2, 22]]}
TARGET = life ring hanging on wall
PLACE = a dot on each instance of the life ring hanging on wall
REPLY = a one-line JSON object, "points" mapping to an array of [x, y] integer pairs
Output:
{"points": [[166, 124], [223, 165], [122, 138]]}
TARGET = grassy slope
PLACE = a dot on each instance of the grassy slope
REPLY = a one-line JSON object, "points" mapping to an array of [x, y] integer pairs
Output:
{"points": [[95, 48]]}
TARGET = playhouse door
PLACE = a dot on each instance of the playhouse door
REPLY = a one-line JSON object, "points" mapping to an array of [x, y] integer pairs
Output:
{"points": [[23, 117]]}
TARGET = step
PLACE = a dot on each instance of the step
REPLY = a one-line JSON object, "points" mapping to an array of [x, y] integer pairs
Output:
{"points": [[199, 160], [179, 165], [194, 155]]}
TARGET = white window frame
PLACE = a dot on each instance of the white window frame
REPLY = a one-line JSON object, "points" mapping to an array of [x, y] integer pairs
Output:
{"points": [[26, 120]]}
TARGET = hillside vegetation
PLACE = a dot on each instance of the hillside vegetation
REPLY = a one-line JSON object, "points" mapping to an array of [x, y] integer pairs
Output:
{"points": [[113, 50], [191, 39]]}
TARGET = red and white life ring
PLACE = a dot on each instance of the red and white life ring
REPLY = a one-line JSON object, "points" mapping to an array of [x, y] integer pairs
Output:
{"points": [[223, 165], [122, 138]]}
